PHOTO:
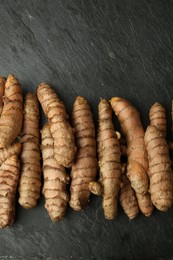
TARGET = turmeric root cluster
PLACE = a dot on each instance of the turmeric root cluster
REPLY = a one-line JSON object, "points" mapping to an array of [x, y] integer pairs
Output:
{"points": [[131, 167]]}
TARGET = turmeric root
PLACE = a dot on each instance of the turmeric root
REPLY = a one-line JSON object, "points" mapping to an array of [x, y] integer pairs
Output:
{"points": [[161, 186], [62, 133], [133, 130], [128, 199], [55, 179], [10, 150], [157, 116], [85, 168], [12, 112], [109, 161], [2, 86], [30, 180], [145, 204], [9, 176]]}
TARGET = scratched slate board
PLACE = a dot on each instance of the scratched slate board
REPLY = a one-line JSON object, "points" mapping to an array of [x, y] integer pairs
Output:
{"points": [[94, 48]]}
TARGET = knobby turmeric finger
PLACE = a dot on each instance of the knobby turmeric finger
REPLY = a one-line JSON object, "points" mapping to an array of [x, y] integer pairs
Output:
{"points": [[109, 161], [55, 179], [9, 176], [85, 167], [12, 112], [133, 130], [61, 131], [30, 180], [161, 186], [157, 116], [128, 198]]}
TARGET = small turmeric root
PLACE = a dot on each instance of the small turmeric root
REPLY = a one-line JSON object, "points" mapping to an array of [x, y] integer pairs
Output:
{"points": [[30, 180], [161, 186], [128, 199], [2, 87], [12, 112], [85, 168], [10, 150], [133, 130], [109, 161], [62, 133], [145, 204], [9, 176], [157, 116], [55, 179]]}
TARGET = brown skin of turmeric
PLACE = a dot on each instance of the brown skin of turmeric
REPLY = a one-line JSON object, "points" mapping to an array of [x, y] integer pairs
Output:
{"points": [[10, 150], [9, 176], [12, 112], [61, 131], [133, 130], [161, 186], [30, 179], [55, 179], [109, 162], [157, 116], [127, 197], [85, 167]]}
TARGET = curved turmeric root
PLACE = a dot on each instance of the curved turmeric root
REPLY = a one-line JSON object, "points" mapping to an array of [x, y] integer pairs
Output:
{"points": [[109, 161], [133, 130], [128, 199], [85, 168], [12, 112], [55, 179], [9, 176], [157, 116], [30, 180], [2, 87], [61, 131], [161, 186]]}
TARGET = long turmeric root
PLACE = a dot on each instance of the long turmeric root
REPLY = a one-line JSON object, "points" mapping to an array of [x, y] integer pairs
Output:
{"points": [[9, 176], [137, 157], [55, 179], [158, 117], [12, 112], [30, 180], [85, 168], [128, 199], [109, 161], [161, 186], [62, 133], [2, 87]]}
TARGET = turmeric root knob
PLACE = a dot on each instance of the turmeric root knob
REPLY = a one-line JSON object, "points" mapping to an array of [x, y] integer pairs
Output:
{"points": [[61, 131], [9, 176], [161, 186], [85, 167], [55, 179], [30, 180], [12, 112]]}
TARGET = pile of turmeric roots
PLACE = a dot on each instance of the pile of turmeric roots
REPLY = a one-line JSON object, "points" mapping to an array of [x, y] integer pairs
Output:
{"points": [[132, 168]]}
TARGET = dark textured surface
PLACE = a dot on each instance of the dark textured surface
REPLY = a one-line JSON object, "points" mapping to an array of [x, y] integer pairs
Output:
{"points": [[98, 48]]}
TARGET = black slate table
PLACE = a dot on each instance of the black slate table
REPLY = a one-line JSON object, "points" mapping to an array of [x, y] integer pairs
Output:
{"points": [[96, 49]]}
